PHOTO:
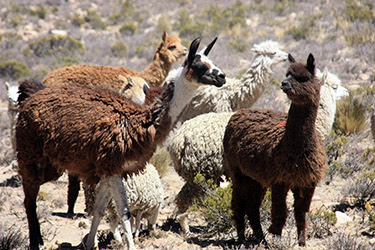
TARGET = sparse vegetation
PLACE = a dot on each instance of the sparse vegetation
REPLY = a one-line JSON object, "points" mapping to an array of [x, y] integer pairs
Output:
{"points": [[321, 222], [119, 49], [14, 69], [128, 29], [161, 161]]}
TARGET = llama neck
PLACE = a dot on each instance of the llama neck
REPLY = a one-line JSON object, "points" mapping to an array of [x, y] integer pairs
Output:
{"points": [[157, 71], [246, 91], [300, 125]]}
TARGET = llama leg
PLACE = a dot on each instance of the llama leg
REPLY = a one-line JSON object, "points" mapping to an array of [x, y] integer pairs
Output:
{"points": [[256, 194], [138, 219], [302, 201], [114, 221], [73, 190], [31, 191], [238, 204], [122, 205], [101, 201], [152, 219], [184, 200], [279, 210]]}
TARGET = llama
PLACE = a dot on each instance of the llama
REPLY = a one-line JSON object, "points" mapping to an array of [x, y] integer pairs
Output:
{"points": [[269, 149], [169, 51], [238, 93], [196, 146], [99, 136]]}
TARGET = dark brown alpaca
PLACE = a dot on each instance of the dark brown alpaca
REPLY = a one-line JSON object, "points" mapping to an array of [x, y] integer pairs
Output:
{"points": [[270, 149], [99, 135]]}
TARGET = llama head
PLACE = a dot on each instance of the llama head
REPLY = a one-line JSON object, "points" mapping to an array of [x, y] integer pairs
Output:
{"points": [[200, 68], [332, 81], [171, 49], [271, 51], [12, 94], [301, 85], [134, 88]]}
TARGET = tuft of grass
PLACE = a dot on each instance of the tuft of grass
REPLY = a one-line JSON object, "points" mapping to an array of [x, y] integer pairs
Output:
{"points": [[95, 20], [11, 238], [359, 10], [161, 160], [363, 190], [321, 222], [14, 69], [344, 241], [303, 31], [128, 29], [215, 206], [119, 49], [40, 12], [52, 45], [163, 24], [350, 116]]}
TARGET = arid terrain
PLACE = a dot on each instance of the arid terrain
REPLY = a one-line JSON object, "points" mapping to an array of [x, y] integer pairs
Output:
{"points": [[340, 35]]}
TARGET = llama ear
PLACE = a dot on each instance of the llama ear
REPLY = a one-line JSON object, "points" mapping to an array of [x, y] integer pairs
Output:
{"points": [[291, 58], [193, 50], [310, 64], [164, 37], [145, 88], [209, 47], [7, 86]]}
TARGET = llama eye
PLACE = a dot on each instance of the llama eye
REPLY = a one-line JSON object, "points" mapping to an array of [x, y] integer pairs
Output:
{"points": [[171, 47], [302, 79]]}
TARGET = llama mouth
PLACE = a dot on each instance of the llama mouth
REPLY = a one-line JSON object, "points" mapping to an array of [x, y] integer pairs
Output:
{"points": [[212, 80]]}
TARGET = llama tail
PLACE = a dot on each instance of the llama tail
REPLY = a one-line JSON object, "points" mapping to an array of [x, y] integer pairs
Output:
{"points": [[27, 88]]}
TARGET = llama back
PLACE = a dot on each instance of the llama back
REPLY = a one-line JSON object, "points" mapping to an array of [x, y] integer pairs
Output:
{"points": [[89, 135], [93, 75]]}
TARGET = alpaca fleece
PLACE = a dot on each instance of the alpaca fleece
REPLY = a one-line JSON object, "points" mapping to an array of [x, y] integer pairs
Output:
{"points": [[268, 149], [91, 140]]}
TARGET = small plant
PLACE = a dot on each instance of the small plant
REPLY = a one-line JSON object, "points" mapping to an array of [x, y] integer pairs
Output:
{"points": [[161, 160], [215, 206], [128, 29], [238, 44], [303, 31], [40, 12], [78, 20], [119, 49], [54, 44], [11, 238], [357, 10], [370, 211], [163, 24], [363, 190], [95, 20], [350, 115], [14, 69], [344, 241], [321, 222]]}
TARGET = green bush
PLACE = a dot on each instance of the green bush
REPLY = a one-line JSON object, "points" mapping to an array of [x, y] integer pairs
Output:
{"points": [[40, 12], [238, 44], [128, 29], [52, 45], [356, 10], [14, 69], [321, 221], [95, 20], [215, 206], [161, 160], [190, 30], [303, 31], [119, 49], [163, 24], [78, 20], [350, 115]]}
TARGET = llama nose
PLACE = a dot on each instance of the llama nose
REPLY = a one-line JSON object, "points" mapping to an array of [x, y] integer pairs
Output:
{"points": [[285, 85]]}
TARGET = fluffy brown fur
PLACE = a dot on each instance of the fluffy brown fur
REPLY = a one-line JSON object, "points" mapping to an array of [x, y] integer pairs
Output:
{"points": [[169, 51], [96, 133], [270, 149]]}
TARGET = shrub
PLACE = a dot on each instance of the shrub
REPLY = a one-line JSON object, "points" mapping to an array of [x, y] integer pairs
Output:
{"points": [[52, 45], [119, 49], [350, 115], [303, 31], [191, 30], [95, 20], [78, 20], [363, 190], [361, 35], [321, 222], [128, 29], [11, 238], [163, 24], [66, 61], [215, 206], [14, 69], [334, 148], [344, 241], [355, 10], [238, 44], [40, 12]]}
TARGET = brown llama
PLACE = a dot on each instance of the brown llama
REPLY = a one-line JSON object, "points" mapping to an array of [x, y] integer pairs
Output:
{"points": [[169, 51], [271, 149], [99, 136]]}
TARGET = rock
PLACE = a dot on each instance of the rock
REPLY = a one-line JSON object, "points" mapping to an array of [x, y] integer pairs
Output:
{"points": [[342, 218]]}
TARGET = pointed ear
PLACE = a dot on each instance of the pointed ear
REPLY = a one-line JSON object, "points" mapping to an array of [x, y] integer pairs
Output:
{"points": [[310, 64], [7, 85], [291, 58], [209, 47], [193, 50], [164, 37]]}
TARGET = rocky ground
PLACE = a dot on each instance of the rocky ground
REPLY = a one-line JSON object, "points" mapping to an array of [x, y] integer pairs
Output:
{"points": [[339, 34]]}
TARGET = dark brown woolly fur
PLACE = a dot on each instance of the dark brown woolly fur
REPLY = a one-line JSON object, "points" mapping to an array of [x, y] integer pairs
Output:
{"points": [[270, 149]]}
